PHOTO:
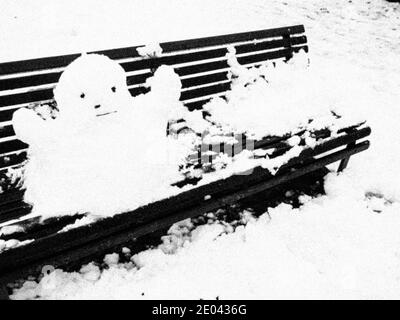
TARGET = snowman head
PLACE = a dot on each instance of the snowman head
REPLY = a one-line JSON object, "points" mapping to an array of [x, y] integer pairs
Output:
{"points": [[91, 86]]}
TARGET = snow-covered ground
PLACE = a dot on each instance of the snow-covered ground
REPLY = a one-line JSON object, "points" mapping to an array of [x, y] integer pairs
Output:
{"points": [[345, 244]]}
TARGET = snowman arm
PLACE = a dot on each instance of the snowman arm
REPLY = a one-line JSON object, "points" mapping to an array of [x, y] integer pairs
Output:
{"points": [[28, 126]]}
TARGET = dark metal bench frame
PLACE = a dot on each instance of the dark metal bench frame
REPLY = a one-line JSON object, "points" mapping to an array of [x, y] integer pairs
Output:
{"points": [[203, 78]]}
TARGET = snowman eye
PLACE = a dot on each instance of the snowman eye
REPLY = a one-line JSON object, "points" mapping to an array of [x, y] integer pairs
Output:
{"points": [[82, 95], [113, 89]]}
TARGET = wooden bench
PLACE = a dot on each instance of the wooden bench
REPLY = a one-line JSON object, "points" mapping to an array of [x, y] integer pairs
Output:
{"points": [[203, 68]]}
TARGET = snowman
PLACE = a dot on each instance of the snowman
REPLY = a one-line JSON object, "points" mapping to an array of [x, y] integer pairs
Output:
{"points": [[105, 152]]}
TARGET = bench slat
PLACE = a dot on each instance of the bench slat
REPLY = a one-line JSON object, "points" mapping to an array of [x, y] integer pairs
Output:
{"points": [[29, 81], [26, 97], [17, 213], [13, 145], [9, 197], [6, 115], [6, 131]]}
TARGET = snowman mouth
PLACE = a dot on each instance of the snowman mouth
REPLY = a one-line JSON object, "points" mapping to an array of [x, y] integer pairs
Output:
{"points": [[105, 113]]}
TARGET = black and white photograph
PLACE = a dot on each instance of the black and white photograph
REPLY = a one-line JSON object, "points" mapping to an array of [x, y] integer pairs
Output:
{"points": [[199, 150]]}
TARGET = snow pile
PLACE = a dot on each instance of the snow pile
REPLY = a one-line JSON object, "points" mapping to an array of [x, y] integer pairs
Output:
{"points": [[12, 243], [278, 98], [150, 50], [274, 99], [104, 152]]}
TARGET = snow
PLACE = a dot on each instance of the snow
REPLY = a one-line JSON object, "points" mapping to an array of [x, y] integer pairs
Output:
{"points": [[80, 222], [150, 50], [259, 94], [111, 259], [10, 230], [12, 243], [344, 244]]}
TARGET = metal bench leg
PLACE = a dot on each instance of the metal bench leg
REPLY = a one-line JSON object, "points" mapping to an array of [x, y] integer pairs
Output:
{"points": [[343, 164], [3, 292]]}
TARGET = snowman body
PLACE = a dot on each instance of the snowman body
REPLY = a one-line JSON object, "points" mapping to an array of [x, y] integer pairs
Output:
{"points": [[105, 152]]}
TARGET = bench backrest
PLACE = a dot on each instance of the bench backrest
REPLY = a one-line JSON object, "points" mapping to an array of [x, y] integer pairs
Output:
{"points": [[201, 64]]}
